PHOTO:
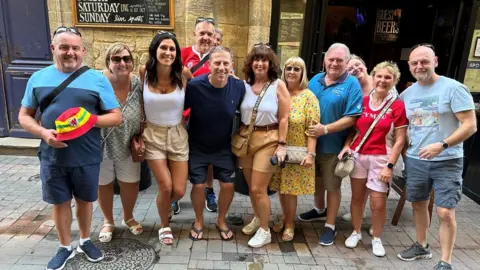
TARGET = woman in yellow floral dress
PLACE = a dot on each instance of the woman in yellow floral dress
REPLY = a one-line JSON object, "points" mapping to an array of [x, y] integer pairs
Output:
{"points": [[297, 179]]}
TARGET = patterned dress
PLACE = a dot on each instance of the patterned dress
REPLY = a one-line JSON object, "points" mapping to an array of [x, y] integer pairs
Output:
{"points": [[295, 179]]}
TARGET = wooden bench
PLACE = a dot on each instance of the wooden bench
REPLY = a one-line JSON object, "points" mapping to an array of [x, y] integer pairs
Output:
{"points": [[398, 184]]}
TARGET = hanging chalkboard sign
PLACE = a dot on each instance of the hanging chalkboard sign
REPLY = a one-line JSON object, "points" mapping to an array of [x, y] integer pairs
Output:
{"points": [[124, 13]]}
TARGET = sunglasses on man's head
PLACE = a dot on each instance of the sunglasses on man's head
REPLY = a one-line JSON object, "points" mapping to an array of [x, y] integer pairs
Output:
{"points": [[63, 29], [202, 19], [290, 68], [167, 33], [118, 59], [428, 45]]}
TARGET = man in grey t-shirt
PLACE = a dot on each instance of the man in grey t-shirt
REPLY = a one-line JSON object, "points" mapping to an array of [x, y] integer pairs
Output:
{"points": [[441, 116]]}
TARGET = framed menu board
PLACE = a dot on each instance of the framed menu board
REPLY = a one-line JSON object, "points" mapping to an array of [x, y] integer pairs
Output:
{"points": [[158, 14]]}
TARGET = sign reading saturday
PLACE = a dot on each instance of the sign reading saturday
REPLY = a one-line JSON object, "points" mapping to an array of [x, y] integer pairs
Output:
{"points": [[387, 25], [123, 13]]}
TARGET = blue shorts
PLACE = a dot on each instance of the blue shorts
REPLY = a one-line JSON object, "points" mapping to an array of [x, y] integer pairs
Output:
{"points": [[59, 183], [444, 176], [223, 164]]}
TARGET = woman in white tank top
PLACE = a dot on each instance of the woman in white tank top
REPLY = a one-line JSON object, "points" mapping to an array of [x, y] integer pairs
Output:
{"points": [[269, 135], [166, 140]]}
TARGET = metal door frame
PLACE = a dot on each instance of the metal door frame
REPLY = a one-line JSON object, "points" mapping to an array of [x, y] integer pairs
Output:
{"points": [[4, 123]]}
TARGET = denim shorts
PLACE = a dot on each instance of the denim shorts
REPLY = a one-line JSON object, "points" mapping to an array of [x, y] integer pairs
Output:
{"points": [[444, 176], [59, 183]]}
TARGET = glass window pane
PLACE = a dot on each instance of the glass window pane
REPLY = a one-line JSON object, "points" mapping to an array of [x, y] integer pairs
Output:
{"points": [[290, 30]]}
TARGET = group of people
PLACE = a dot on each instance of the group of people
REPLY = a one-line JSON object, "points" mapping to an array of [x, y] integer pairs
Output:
{"points": [[183, 105]]}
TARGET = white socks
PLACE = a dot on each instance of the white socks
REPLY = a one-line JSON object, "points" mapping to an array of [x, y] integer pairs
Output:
{"points": [[69, 247], [330, 226], [83, 240]]}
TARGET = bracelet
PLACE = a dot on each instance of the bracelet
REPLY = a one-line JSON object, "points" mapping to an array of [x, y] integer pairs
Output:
{"points": [[282, 143], [313, 154]]}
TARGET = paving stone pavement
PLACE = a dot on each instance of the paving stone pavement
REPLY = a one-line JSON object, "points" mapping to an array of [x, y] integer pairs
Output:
{"points": [[28, 238]]}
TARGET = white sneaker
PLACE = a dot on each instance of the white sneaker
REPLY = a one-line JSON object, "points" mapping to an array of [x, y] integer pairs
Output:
{"points": [[252, 227], [260, 239], [377, 247], [348, 216], [352, 240]]}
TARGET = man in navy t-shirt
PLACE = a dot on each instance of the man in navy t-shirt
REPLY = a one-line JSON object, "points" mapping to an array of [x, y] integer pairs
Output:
{"points": [[69, 169], [213, 99]]}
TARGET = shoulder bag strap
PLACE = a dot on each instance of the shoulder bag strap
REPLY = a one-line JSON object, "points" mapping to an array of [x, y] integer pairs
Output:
{"points": [[46, 101], [199, 64], [255, 107], [143, 76], [370, 129]]}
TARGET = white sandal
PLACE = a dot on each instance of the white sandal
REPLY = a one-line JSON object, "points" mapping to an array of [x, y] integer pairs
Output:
{"points": [[106, 237], [135, 229], [165, 233]]}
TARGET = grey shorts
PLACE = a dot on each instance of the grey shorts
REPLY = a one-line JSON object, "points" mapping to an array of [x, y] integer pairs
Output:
{"points": [[444, 176]]}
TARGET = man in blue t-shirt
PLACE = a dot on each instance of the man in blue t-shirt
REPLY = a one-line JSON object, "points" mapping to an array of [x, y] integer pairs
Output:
{"points": [[340, 97], [441, 115], [213, 99], [71, 168]]}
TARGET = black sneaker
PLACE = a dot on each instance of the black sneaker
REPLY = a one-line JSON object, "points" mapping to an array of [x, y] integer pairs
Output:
{"points": [[91, 251], [415, 252], [210, 203], [442, 266], [313, 215], [328, 236], [60, 260], [175, 207]]}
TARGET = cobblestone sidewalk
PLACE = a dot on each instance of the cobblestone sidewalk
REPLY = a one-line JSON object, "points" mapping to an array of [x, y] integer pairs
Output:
{"points": [[28, 237]]}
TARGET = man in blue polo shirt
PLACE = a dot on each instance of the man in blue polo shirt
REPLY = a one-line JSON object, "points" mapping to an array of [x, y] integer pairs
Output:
{"points": [[71, 168], [340, 97], [213, 99]]}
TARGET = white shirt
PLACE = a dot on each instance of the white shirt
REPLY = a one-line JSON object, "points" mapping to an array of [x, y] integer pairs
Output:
{"points": [[164, 109], [267, 113]]}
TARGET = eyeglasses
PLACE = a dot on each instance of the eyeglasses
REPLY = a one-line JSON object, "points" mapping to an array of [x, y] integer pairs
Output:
{"points": [[167, 33], [118, 59], [63, 29], [262, 44], [202, 19], [290, 68], [428, 45]]}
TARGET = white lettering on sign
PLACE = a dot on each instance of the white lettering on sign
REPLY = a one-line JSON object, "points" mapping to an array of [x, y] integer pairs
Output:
{"points": [[135, 19], [98, 7], [94, 17]]}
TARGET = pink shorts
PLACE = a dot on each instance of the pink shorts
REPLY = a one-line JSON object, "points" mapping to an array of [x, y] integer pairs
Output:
{"points": [[370, 167]]}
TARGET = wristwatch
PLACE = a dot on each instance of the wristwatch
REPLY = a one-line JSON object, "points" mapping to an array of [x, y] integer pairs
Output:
{"points": [[445, 145], [325, 130], [313, 154], [390, 165]]}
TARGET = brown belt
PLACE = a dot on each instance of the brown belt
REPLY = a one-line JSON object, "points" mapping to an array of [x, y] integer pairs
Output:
{"points": [[264, 128]]}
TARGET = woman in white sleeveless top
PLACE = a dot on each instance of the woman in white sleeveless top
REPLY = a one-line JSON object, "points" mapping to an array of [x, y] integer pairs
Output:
{"points": [[166, 140], [269, 135]]}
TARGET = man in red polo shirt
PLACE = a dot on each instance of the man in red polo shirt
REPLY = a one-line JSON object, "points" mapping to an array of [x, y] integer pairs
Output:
{"points": [[191, 57]]}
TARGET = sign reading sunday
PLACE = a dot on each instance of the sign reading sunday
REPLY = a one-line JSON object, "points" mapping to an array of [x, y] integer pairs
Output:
{"points": [[157, 14]]}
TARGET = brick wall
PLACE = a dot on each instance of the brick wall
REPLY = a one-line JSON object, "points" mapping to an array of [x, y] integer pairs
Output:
{"points": [[243, 22]]}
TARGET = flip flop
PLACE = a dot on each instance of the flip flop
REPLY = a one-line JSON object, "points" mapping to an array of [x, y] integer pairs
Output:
{"points": [[197, 231], [225, 231]]}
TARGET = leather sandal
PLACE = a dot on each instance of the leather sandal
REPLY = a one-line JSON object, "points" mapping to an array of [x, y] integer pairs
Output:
{"points": [[165, 233], [224, 231], [197, 231], [278, 226], [135, 229], [106, 237], [288, 234]]}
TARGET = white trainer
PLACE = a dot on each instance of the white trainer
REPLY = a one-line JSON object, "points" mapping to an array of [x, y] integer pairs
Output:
{"points": [[348, 216], [252, 227], [353, 239], [377, 247], [260, 238]]}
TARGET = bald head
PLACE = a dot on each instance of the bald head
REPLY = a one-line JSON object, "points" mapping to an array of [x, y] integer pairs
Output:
{"points": [[422, 63]]}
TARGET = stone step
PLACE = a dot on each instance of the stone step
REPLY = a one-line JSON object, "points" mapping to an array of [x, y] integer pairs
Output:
{"points": [[19, 146]]}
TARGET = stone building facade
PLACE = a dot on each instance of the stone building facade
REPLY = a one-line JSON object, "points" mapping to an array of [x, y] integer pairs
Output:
{"points": [[243, 22]]}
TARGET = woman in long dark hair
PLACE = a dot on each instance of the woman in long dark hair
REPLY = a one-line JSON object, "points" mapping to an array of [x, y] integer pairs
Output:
{"points": [[166, 140]]}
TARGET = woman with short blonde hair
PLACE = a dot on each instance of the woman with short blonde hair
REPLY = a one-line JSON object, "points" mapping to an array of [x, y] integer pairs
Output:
{"points": [[117, 161], [297, 179]]}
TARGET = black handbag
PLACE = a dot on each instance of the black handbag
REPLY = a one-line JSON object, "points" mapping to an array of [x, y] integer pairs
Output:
{"points": [[241, 185]]}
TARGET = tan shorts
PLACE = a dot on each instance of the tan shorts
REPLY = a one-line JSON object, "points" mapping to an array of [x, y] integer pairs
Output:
{"points": [[262, 147], [324, 172], [125, 171], [166, 142]]}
